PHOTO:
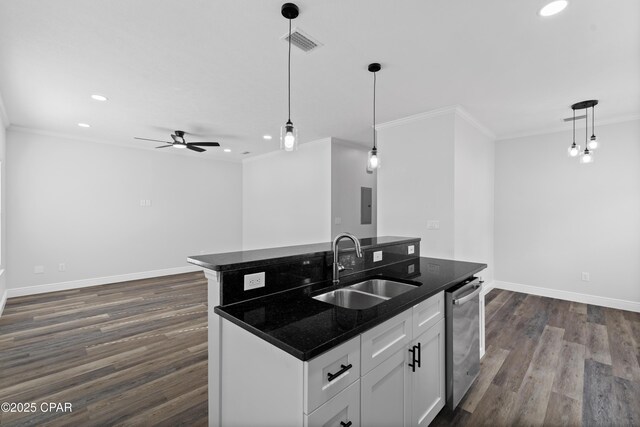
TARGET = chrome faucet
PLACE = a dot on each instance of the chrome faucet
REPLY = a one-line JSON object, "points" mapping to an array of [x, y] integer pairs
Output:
{"points": [[337, 267]]}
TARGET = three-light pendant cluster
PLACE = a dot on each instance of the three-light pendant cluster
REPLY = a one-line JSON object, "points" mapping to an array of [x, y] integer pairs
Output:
{"points": [[590, 144], [288, 132]]}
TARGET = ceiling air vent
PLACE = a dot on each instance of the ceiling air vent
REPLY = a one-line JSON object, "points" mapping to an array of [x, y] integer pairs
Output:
{"points": [[301, 40]]}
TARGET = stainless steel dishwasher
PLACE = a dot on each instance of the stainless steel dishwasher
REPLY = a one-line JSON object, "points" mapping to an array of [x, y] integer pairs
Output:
{"points": [[462, 308]]}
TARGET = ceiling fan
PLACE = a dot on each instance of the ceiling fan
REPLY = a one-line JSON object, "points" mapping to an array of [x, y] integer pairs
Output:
{"points": [[179, 142]]}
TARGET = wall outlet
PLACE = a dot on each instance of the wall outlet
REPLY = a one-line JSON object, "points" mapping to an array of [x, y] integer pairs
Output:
{"points": [[411, 269], [377, 256], [585, 276], [253, 281], [38, 269], [145, 202], [337, 220], [62, 267], [433, 224], [411, 249]]}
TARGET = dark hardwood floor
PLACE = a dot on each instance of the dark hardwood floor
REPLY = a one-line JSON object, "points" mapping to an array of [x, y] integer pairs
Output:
{"points": [[135, 353], [132, 353], [554, 363]]}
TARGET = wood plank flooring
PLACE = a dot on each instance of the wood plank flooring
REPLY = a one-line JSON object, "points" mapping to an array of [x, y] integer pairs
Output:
{"points": [[135, 353], [555, 363], [132, 353]]}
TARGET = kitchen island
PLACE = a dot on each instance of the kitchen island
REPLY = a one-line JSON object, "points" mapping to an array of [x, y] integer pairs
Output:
{"points": [[279, 329]]}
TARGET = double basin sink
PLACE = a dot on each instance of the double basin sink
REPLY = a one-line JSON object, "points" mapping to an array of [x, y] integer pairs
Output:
{"points": [[365, 294]]}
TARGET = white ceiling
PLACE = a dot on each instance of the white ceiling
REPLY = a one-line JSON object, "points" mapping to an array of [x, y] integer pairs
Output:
{"points": [[218, 68]]}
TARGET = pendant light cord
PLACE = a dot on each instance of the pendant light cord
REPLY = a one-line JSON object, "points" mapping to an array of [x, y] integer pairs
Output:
{"points": [[574, 126], [593, 119], [586, 129], [374, 111], [289, 71]]}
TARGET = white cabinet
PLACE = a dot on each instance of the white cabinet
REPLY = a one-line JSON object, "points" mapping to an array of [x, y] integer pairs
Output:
{"points": [[342, 410], [428, 381], [408, 388], [386, 393], [368, 380]]}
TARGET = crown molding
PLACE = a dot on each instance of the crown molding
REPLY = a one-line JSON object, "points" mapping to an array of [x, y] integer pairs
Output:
{"points": [[567, 127], [452, 109], [474, 122], [60, 135], [3, 113], [416, 117]]}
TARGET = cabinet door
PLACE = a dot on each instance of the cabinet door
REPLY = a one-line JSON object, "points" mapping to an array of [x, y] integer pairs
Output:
{"points": [[385, 393], [342, 410], [428, 380]]}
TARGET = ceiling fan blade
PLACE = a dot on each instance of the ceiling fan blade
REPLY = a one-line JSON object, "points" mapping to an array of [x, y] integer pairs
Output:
{"points": [[205, 144], [199, 150], [165, 146], [154, 140]]}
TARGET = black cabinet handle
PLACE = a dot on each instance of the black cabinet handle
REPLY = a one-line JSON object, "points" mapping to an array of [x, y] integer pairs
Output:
{"points": [[347, 424], [418, 346], [412, 350], [344, 369], [415, 350]]}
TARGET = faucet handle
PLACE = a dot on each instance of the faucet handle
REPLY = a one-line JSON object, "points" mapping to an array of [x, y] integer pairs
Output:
{"points": [[341, 267]]}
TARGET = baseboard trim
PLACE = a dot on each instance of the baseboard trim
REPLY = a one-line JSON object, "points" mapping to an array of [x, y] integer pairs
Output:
{"points": [[3, 301], [85, 283], [569, 296]]}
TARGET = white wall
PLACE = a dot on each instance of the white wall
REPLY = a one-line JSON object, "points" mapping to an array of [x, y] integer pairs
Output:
{"points": [[415, 181], [78, 202], [3, 208], [439, 166], [555, 218], [473, 196], [348, 175], [287, 197]]}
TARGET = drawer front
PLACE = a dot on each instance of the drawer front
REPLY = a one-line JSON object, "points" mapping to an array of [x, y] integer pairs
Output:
{"points": [[428, 313], [342, 409], [384, 340], [331, 372]]}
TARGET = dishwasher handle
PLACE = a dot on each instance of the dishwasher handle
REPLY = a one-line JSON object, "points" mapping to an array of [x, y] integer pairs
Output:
{"points": [[469, 297]]}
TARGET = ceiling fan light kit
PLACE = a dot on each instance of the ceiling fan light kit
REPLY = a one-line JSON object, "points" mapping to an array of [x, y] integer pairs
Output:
{"points": [[180, 143], [590, 144]]}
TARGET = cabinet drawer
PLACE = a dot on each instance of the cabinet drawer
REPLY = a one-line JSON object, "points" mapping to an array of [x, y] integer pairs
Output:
{"points": [[340, 410], [329, 373], [428, 313], [384, 340]]}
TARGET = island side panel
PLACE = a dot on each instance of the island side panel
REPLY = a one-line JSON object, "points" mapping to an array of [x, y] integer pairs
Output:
{"points": [[261, 384], [214, 346]]}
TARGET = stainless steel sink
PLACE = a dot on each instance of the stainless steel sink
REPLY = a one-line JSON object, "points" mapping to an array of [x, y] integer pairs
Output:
{"points": [[349, 298], [382, 287], [365, 294]]}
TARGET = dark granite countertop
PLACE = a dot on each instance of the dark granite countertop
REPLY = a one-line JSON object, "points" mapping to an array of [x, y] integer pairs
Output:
{"points": [[259, 257], [304, 327]]}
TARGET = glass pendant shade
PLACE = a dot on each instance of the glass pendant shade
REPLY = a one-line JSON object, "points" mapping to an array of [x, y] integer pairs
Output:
{"points": [[586, 157], [288, 137], [573, 150], [594, 143], [373, 161]]}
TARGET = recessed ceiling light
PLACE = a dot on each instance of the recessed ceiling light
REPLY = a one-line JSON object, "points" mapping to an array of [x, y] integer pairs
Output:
{"points": [[84, 125], [99, 97], [267, 137], [553, 8], [227, 150]]}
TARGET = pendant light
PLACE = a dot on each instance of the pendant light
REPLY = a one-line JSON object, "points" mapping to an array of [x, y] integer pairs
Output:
{"points": [[288, 133], [594, 142], [586, 156], [574, 149], [373, 161]]}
